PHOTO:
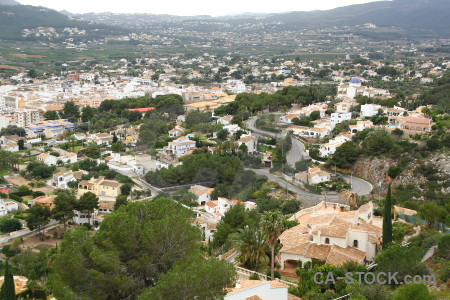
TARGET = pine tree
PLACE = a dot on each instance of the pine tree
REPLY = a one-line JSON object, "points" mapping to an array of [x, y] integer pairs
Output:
{"points": [[8, 289], [387, 219]]}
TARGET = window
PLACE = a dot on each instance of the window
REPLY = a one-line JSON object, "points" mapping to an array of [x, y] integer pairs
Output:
{"points": [[327, 241], [355, 243]]}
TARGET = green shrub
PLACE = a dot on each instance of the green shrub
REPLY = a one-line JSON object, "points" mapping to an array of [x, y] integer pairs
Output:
{"points": [[254, 276]]}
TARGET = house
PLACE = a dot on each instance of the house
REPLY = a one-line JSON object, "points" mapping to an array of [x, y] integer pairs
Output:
{"points": [[176, 132], [369, 110], [202, 193], [81, 217], [7, 207], [415, 123], [207, 226], [332, 233], [330, 147], [100, 138], [61, 179], [250, 142], [337, 118], [360, 126], [80, 136], [10, 142], [51, 160], [288, 118], [45, 201], [180, 146], [258, 290], [47, 159], [313, 176], [309, 132], [267, 159], [220, 206], [225, 120], [104, 189]]}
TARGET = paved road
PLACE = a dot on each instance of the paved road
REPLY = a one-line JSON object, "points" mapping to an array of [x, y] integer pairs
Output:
{"points": [[308, 199], [359, 186]]}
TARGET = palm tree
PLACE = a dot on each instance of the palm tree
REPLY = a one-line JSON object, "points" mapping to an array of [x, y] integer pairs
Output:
{"points": [[251, 243], [272, 225]]}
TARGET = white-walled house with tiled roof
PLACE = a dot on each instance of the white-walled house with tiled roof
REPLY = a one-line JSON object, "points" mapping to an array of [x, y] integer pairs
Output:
{"points": [[332, 233]]}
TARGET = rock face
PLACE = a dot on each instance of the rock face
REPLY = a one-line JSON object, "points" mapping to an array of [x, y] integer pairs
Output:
{"points": [[375, 170]]}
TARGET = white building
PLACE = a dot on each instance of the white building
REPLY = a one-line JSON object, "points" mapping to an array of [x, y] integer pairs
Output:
{"points": [[251, 143], [51, 160], [7, 207], [330, 147], [369, 110], [258, 290], [337, 118], [202, 193], [61, 179], [360, 126], [180, 146]]}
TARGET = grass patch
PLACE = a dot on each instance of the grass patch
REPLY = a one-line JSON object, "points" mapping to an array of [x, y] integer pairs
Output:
{"points": [[5, 171]]}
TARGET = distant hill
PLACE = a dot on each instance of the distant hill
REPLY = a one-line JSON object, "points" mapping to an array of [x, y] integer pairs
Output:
{"points": [[9, 2], [426, 16], [15, 18]]}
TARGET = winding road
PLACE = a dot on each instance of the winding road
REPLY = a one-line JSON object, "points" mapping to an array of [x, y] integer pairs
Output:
{"points": [[359, 186]]}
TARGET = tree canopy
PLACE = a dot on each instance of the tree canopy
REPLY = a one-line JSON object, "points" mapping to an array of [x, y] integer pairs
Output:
{"points": [[141, 248]]}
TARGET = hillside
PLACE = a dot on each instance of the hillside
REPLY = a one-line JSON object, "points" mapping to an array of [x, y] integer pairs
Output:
{"points": [[425, 16], [15, 18], [9, 2]]}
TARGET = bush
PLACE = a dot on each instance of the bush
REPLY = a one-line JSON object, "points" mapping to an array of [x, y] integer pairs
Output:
{"points": [[15, 197], [40, 184], [254, 276], [8, 224], [275, 274]]}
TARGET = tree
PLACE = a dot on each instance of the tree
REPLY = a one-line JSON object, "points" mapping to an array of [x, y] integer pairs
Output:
{"points": [[120, 200], [204, 280], [387, 219], [38, 217], [21, 144], [251, 243], [222, 134], [71, 111], [64, 205], [7, 291], [32, 73], [125, 189], [315, 115], [87, 204], [290, 207], [413, 292], [141, 246], [8, 224], [51, 115], [12, 130], [114, 139], [345, 155], [87, 113], [272, 225]]}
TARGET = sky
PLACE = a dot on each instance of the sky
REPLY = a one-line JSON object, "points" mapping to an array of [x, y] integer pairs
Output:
{"points": [[190, 7]]}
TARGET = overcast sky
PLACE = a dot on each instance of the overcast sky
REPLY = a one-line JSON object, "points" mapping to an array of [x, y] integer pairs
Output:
{"points": [[189, 7]]}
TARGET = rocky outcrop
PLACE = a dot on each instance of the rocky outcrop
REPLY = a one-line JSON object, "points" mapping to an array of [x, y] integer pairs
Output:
{"points": [[375, 170]]}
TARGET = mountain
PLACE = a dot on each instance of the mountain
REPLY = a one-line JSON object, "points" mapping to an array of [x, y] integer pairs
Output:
{"points": [[9, 2], [15, 18], [427, 16]]}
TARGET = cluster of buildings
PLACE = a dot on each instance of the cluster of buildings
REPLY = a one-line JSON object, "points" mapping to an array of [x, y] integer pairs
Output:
{"points": [[332, 233]]}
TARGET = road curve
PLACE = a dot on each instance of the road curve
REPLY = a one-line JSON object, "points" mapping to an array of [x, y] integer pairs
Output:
{"points": [[359, 186]]}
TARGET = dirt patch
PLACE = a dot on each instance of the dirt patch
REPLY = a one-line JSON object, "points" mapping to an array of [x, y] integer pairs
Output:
{"points": [[19, 180], [9, 67], [35, 242], [19, 55]]}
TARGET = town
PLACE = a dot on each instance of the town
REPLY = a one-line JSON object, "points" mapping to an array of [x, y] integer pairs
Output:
{"points": [[243, 173]]}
